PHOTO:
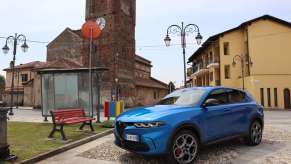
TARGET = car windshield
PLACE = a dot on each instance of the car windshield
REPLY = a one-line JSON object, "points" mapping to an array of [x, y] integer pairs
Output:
{"points": [[183, 97]]}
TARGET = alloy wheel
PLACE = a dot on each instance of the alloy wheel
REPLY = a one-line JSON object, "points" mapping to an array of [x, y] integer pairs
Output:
{"points": [[256, 132], [185, 148]]}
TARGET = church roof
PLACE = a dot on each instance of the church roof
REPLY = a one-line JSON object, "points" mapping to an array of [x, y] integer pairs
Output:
{"points": [[61, 64], [151, 83], [32, 65], [142, 60], [78, 32]]}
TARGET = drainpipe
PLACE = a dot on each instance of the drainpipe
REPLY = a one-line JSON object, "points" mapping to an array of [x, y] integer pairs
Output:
{"points": [[248, 51]]}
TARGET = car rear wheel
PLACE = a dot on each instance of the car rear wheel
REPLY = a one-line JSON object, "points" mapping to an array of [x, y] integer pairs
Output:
{"points": [[184, 148], [255, 134]]}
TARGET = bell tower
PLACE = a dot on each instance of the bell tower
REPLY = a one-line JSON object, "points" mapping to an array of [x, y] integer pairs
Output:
{"points": [[115, 48]]}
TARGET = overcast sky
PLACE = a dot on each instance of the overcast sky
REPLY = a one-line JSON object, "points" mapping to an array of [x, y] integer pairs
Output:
{"points": [[43, 20]]}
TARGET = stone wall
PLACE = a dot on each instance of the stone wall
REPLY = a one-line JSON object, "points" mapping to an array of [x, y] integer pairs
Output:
{"points": [[68, 45], [149, 96], [7, 98]]}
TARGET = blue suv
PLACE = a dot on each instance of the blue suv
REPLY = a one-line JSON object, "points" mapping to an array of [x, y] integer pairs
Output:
{"points": [[187, 119]]}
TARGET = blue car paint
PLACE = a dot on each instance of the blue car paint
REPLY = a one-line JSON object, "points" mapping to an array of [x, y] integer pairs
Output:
{"points": [[212, 123]]}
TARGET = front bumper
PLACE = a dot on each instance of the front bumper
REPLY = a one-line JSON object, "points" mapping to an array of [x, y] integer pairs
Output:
{"points": [[152, 141]]}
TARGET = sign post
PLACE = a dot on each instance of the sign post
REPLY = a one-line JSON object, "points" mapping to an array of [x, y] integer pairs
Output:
{"points": [[91, 30]]}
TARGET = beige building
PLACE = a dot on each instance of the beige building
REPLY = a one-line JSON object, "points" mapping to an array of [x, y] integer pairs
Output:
{"points": [[27, 82], [255, 55], [26, 85]]}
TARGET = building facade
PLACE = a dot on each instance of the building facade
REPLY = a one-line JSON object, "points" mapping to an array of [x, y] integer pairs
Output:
{"points": [[255, 56], [26, 85], [128, 75], [115, 50]]}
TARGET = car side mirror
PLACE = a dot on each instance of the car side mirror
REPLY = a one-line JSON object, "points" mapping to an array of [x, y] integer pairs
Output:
{"points": [[210, 102]]}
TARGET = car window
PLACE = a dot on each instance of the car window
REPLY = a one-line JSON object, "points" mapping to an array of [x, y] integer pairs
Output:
{"points": [[183, 97], [218, 95], [235, 96]]}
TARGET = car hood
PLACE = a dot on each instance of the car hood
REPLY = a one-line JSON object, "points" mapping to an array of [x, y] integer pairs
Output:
{"points": [[151, 113]]}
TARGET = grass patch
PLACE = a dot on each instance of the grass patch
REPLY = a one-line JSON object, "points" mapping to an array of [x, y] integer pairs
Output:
{"points": [[30, 139], [108, 124]]}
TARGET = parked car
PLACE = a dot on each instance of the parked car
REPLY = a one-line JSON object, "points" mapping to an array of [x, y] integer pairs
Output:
{"points": [[187, 119]]}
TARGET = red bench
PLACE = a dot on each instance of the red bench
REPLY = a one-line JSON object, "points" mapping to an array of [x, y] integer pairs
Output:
{"points": [[62, 117]]}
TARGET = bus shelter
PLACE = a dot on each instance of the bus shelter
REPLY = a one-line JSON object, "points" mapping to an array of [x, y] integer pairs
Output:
{"points": [[70, 88]]}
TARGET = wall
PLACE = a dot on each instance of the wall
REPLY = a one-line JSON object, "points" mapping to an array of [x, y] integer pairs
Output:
{"points": [[145, 96], [270, 48], [254, 83], [270, 52], [237, 46], [67, 45], [17, 84], [7, 98], [142, 70]]}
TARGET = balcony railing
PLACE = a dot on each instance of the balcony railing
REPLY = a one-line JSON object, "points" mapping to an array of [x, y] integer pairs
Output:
{"points": [[200, 70], [213, 64]]}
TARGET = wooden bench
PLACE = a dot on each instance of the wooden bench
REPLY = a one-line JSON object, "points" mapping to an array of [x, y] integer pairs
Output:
{"points": [[62, 117]]}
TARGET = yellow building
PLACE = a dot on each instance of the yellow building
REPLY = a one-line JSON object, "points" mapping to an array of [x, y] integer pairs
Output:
{"points": [[256, 56]]}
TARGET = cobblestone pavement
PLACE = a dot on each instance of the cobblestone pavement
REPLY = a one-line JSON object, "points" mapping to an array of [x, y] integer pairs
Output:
{"points": [[275, 148]]}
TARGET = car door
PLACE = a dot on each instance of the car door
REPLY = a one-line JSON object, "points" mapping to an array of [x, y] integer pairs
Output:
{"points": [[237, 115], [214, 117]]}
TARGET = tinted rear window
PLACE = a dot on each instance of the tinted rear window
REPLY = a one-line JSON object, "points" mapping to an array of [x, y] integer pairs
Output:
{"points": [[236, 96]]}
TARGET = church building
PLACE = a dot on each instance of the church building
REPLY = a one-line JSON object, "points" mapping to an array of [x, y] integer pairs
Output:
{"points": [[128, 76]]}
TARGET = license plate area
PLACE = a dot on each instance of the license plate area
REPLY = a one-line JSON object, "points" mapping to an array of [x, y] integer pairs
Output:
{"points": [[131, 137]]}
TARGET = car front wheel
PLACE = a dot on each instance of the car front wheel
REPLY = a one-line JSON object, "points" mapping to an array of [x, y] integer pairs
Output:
{"points": [[255, 134], [184, 148]]}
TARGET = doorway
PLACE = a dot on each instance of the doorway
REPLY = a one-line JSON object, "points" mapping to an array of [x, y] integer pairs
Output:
{"points": [[287, 98]]}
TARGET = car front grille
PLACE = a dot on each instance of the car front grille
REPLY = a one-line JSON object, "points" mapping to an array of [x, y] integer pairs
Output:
{"points": [[132, 146], [129, 145], [120, 127]]}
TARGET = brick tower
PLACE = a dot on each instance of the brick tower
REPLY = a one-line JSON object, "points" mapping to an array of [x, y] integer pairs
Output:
{"points": [[115, 48]]}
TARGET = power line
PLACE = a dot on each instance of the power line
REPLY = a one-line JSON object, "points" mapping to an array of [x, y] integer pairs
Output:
{"points": [[147, 46]]}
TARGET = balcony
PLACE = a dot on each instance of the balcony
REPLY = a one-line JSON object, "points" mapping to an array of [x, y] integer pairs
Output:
{"points": [[200, 71], [213, 64]]}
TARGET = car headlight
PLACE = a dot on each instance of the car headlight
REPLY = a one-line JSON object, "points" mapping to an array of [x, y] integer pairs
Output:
{"points": [[149, 124]]}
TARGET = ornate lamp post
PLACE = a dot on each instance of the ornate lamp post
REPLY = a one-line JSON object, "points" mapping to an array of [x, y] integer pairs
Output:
{"points": [[183, 30], [15, 40], [242, 59]]}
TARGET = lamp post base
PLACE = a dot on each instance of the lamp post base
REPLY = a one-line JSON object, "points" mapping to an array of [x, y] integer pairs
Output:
{"points": [[4, 152]]}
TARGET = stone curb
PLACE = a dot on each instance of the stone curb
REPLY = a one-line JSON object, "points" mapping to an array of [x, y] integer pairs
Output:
{"points": [[65, 148]]}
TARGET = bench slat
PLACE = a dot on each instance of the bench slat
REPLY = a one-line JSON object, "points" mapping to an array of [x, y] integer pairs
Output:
{"points": [[70, 116]]}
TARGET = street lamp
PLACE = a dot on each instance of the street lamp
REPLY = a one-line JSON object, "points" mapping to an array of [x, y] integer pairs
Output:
{"points": [[242, 59], [183, 30], [15, 40]]}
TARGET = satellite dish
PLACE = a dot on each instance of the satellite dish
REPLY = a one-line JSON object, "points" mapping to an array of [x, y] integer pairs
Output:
{"points": [[101, 22]]}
